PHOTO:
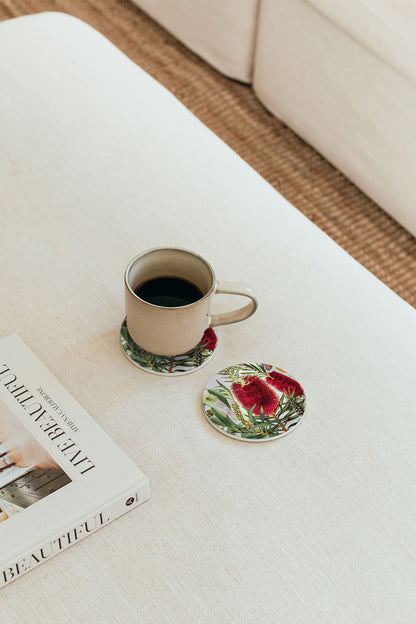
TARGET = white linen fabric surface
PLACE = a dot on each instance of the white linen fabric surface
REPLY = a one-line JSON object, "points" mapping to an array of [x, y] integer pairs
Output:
{"points": [[222, 33], [98, 162], [332, 76]]}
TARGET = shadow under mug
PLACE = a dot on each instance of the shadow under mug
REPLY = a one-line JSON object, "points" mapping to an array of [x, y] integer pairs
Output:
{"points": [[175, 330]]}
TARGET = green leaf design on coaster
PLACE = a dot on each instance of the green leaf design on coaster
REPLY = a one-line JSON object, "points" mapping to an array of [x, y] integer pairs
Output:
{"points": [[254, 402], [167, 365]]}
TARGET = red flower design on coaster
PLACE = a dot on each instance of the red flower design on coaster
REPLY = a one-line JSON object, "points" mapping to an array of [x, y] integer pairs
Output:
{"points": [[209, 339], [254, 402], [255, 391], [284, 384]]}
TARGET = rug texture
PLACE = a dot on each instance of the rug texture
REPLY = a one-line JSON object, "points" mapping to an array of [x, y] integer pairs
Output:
{"points": [[232, 111]]}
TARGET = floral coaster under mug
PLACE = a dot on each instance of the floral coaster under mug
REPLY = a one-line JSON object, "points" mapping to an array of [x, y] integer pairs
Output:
{"points": [[166, 365], [254, 402]]}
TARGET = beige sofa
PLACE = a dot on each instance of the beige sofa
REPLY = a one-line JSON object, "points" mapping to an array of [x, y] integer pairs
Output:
{"points": [[342, 75]]}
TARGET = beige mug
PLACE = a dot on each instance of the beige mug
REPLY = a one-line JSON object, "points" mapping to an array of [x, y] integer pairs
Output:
{"points": [[177, 327]]}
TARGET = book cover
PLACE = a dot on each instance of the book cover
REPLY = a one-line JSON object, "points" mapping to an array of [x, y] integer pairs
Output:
{"points": [[61, 476]]}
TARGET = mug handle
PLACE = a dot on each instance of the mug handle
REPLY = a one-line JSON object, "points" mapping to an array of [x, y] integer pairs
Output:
{"points": [[234, 288]]}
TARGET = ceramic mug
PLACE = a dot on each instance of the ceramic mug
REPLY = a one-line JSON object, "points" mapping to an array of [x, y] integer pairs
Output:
{"points": [[173, 330]]}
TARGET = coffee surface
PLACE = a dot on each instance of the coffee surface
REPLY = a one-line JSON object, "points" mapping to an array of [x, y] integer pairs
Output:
{"points": [[169, 292]]}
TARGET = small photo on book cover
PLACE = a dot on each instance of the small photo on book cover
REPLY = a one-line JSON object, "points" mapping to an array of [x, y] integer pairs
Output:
{"points": [[27, 472]]}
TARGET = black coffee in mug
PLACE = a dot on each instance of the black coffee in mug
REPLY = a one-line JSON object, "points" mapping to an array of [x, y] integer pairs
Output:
{"points": [[169, 292]]}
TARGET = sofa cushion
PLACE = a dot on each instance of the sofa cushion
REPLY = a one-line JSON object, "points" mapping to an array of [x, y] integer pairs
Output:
{"points": [[347, 102], [222, 33], [386, 27]]}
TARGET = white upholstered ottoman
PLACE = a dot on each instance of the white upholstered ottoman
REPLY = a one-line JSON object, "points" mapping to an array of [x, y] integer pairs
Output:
{"points": [[97, 162]]}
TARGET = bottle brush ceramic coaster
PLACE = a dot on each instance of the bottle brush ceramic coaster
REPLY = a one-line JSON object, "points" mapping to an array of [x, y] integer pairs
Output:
{"points": [[254, 402], [167, 365]]}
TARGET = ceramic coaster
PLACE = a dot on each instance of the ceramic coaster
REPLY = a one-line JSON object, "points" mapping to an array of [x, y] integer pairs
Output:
{"points": [[165, 365], [254, 402]]}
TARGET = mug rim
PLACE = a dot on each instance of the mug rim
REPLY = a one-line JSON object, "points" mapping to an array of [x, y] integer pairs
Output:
{"points": [[181, 249]]}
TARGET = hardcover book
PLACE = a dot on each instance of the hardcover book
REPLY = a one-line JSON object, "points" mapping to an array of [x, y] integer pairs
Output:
{"points": [[61, 476]]}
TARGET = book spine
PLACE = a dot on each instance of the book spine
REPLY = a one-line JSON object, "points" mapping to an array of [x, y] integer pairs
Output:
{"points": [[76, 532]]}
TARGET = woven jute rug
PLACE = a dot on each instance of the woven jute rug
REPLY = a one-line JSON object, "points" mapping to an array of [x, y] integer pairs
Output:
{"points": [[232, 111]]}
